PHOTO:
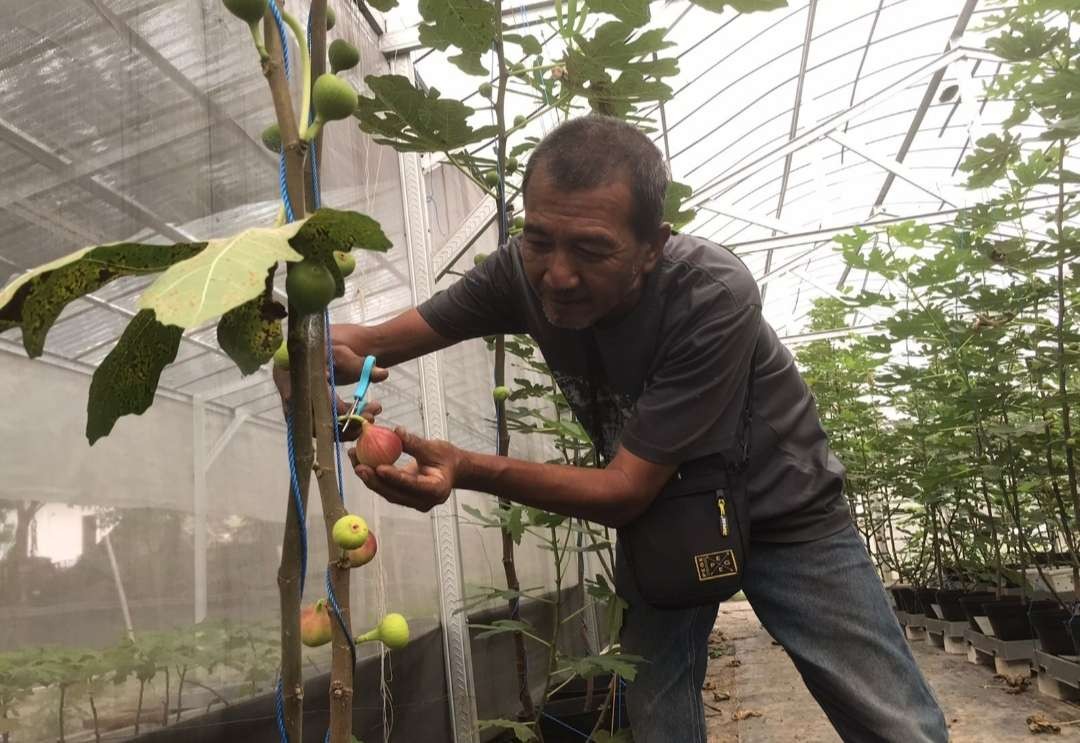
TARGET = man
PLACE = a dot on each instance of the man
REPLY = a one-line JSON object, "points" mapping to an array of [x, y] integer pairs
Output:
{"points": [[651, 337]]}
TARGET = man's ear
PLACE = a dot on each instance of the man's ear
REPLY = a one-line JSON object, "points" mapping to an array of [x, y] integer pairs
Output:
{"points": [[656, 247]]}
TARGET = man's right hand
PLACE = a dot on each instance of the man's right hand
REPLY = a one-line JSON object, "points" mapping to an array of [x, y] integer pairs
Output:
{"points": [[347, 368]]}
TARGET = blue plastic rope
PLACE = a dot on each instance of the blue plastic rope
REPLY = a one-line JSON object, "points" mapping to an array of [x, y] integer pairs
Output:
{"points": [[294, 479], [557, 721], [280, 22]]}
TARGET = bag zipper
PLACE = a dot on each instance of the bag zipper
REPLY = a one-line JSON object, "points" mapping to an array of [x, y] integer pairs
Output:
{"points": [[721, 503]]}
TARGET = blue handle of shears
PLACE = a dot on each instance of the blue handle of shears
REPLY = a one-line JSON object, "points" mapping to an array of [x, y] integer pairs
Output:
{"points": [[360, 394]]}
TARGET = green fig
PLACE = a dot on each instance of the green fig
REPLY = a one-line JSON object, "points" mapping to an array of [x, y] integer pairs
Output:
{"points": [[342, 55], [334, 98], [331, 18], [511, 164], [346, 263], [519, 121], [350, 532], [519, 223], [500, 393], [486, 90], [479, 258], [271, 137], [491, 178], [250, 11], [281, 356], [393, 632], [310, 286]]}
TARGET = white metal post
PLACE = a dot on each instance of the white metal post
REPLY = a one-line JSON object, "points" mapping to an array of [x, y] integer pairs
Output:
{"points": [[458, 655]]}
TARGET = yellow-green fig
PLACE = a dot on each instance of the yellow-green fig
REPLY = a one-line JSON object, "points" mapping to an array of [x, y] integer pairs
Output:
{"points": [[350, 532], [491, 178], [342, 55], [310, 286], [485, 90], [334, 98], [346, 263], [512, 164], [393, 632], [271, 137], [479, 258], [331, 18], [519, 121], [281, 356], [500, 393], [250, 11]]}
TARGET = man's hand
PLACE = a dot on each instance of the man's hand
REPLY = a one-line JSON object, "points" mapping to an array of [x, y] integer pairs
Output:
{"points": [[347, 367], [422, 484]]}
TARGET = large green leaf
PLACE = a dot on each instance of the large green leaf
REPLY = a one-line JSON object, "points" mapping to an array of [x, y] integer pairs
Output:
{"points": [[383, 5], [676, 195], [229, 272], [127, 379], [34, 300], [522, 731], [468, 25], [251, 333], [633, 12], [411, 121], [330, 230], [740, 6]]}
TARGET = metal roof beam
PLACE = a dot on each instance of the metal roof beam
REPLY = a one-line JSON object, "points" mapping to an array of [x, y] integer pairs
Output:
{"points": [[898, 169], [147, 50]]}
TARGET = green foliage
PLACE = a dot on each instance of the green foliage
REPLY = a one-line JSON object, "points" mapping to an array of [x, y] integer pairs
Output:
{"points": [[332, 230], [383, 5], [227, 273], [677, 194], [251, 333], [34, 300], [632, 12], [741, 6], [409, 120], [522, 731], [590, 666], [468, 25], [126, 380]]}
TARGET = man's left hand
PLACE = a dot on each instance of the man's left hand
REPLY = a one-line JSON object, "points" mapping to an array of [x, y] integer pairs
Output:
{"points": [[422, 484]]}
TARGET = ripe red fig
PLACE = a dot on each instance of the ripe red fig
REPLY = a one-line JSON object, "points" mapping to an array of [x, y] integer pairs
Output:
{"points": [[377, 445], [364, 554], [315, 625]]}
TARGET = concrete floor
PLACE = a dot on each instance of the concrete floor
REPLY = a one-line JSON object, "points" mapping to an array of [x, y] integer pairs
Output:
{"points": [[753, 694]]}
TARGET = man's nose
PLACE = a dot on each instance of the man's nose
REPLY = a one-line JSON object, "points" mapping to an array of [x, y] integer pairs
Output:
{"points": [[562, 274]]}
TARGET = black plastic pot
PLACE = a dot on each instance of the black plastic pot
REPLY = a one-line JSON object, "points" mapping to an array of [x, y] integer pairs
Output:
{"points": [[1049, 624], [905, 599], [926, 597], [972, 603], [1009, 619], [949, 601]]}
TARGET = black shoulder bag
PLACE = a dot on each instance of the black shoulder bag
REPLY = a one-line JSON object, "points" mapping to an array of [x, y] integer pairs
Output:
{"points": [[690, 547]]}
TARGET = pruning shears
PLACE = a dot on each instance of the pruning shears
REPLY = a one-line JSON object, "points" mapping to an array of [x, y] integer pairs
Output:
{"points": [[360, 393]]}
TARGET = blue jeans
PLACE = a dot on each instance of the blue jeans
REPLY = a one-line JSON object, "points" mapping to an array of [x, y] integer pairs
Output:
{"points": [[826, 605]]}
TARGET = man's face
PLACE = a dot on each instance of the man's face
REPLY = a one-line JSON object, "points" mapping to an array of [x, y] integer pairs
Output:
{"points": [[580, 253]]}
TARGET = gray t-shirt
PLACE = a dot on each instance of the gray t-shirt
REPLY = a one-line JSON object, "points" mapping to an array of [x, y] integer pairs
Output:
{"points": [[668, 380]]}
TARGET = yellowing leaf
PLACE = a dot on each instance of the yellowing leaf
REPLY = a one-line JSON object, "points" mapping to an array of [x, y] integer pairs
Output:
{"points": [[226, 274]]}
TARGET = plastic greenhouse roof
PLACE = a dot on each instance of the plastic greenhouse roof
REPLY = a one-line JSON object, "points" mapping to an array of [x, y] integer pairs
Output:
{"points": [[791, 126]]}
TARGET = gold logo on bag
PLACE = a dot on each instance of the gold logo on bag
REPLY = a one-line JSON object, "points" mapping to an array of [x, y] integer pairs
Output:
{"points": [[713, 565]]}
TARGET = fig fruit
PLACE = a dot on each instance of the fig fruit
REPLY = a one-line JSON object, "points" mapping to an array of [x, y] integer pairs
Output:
{"points": [[310, 286], [491, 178], [393, 632], [519, 223], [281, 356], [485, 89], [342, 55], [519, 121], [377, 445], [479, 258], [331, 18], [345, 262], [250, 11], [271, 137], [334, 98], [512, 164], [500, 393], [315, 625], [350, 532], [365, 553]]}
